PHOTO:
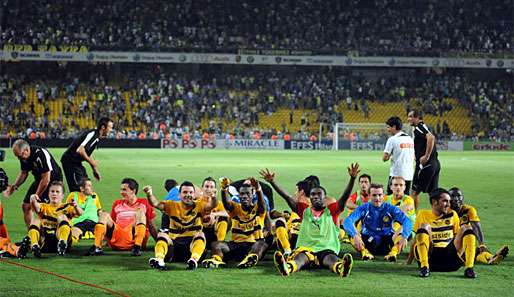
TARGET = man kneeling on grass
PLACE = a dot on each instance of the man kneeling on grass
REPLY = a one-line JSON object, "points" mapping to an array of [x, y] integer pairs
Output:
{"points": [[318, 240]]}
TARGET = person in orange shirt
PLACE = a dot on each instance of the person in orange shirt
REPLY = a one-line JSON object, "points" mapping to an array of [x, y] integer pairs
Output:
{"points": [[8, 248]]}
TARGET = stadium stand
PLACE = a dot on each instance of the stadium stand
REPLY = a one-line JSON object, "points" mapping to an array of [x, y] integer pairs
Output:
{"points": [[380, 27]]}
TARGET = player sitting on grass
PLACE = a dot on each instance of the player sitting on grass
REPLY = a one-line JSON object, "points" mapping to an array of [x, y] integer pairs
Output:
{"points": [[183, 239], [442, 244], [128, 225], [89, 201], [215, 223], [468, 216], [377, 235], [8, 248], [318, 239], [399, 199], [248, 244], [50, 231]]}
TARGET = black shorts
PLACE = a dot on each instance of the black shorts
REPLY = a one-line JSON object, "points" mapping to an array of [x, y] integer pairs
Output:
{"points": [[180, 251], [49, 242], [378, 248], [427, 179], [86, 225], [320, 256], [237, 250], [444, 259], [33, 188], [407, 186], [74, 173], [210, 237]]}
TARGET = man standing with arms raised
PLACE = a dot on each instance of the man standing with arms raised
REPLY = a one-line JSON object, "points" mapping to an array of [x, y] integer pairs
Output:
{"points": [[80, 150]]}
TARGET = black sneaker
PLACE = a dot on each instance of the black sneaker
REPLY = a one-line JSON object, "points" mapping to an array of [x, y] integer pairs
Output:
{"points": [[424, 272], [36, 251], [136, 251], [470, 273], [94, 251], [61, 247], [192, 264], [157, 264], [24, 248]]}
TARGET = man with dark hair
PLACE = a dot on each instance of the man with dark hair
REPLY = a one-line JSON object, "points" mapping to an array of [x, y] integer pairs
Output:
{"points": [[318, 240], [377, 235], [80, 150], [426, 174], [247, 245], [128, 225], [442, 244], [468, 216], [89, 201], [44, 169], [184, 239], [215, 223], [400, 150], [361, 196]]}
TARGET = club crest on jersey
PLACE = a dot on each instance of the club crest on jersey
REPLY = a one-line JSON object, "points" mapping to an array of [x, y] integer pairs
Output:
{"points": [[447, 222], [465, 219], [386, 219]]}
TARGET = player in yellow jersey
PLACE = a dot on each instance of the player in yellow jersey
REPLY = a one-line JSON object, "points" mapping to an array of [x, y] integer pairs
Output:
{"points": [[184, 238], [442, 244], [215, 223], [247, 244], [468, 216], [400, 199], [50, 231]]}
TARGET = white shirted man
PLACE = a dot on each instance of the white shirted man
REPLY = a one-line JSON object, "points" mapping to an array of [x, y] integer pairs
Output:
{"points": [[400, 150]]}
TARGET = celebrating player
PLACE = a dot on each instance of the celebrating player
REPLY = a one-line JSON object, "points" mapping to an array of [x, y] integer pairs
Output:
{"points": [[468, 215], [442, 244], [377, 235], [128, 225], [184, 238], [50, 231]]}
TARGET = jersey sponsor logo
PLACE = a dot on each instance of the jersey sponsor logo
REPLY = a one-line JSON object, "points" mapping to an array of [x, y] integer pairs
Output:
{"points": [[406, 145]]}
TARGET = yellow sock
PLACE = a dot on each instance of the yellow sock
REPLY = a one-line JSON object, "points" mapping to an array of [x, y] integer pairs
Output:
{"points": [[221, 228], [139, 234], [422, 244], [394, 249], [161, 248], [217, 258], [283, 237], [484, 257], [197, 248], [34, 235], [469, 245], [365, 252], [100, 231], [64, 231], [342, 234]]}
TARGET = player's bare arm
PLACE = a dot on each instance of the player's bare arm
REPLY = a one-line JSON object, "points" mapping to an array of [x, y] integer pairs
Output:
{"points": [[269, 176], [152, 199], [353, 171]]}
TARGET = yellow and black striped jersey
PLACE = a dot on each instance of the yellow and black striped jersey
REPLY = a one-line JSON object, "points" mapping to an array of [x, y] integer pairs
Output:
{"points": [[219, 208], [467, 214], [293, 224], [49, 213], [246, 226], [444, 227], [185, 221]]}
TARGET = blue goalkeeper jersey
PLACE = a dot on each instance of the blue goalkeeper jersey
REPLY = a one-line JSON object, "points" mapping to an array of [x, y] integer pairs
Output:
{"points": [[377, 222]]}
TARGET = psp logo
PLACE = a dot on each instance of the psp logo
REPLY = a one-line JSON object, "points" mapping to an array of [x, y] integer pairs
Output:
{"points": [[136, 58]]}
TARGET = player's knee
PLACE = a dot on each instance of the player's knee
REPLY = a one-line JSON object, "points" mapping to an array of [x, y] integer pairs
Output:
{"points": [[140, 217], [103, 217], [200, 235], [163, 236]]}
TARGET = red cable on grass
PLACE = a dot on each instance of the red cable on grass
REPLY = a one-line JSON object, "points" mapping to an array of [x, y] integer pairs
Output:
{"points": [[115, 293]]}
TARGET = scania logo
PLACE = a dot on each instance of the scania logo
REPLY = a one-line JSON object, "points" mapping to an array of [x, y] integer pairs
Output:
{"points": [[500, 63], [14, 55], [278, 60], [250, 59]]}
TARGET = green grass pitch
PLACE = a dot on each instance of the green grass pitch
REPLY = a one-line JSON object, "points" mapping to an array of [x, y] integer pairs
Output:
{"points": [[487, 180]]}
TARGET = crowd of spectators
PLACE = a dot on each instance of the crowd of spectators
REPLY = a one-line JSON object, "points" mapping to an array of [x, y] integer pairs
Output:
{"points": [[173, 104], [378, 27]]}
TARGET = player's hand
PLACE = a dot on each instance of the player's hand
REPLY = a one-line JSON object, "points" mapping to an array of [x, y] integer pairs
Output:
{"points": [[358, 243], [224, 182], [402, 244], [423, 160], [255, 184], [74, 203], [353, 170], [34, 197], [148, 190], [267, 175], [96, 174], [10, 189], [209, 219]]}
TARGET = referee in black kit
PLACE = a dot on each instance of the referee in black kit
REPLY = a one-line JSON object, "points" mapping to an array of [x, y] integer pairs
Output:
{"points": [[80, 150], [44, 169], [426, 174]]}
